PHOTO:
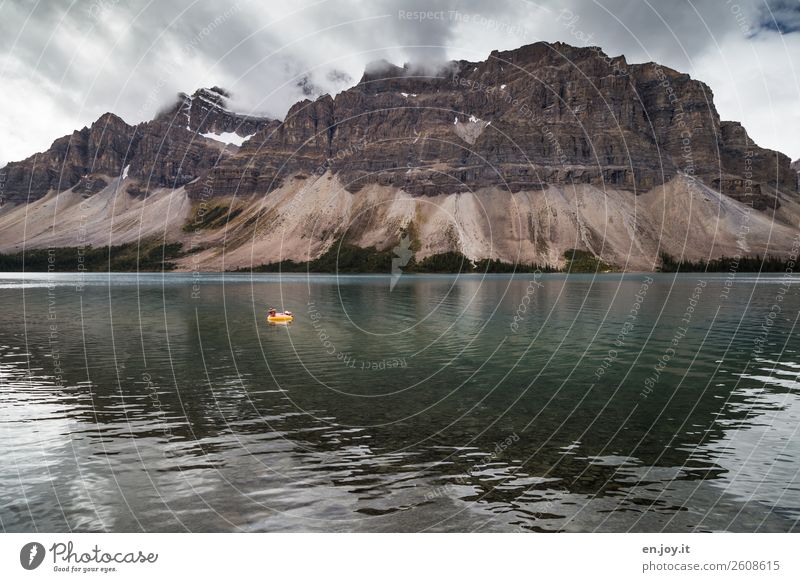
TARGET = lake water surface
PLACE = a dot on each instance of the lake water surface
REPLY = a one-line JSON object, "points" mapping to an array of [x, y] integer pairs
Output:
{"points": [[157, 402]]}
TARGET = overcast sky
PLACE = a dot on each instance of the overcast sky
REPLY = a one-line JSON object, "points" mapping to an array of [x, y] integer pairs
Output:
{"points": [[63, 64]]}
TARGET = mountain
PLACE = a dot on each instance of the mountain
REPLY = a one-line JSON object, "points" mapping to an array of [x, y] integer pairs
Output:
{"points": [[173, 149], [520, 157], [559, 115]]}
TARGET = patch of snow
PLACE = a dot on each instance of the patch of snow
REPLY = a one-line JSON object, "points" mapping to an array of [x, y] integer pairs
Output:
{"points": [[187, 105], [125, 171], [471, 131], [456, 121], [502, 87], [475, 69], [210, 102], [228, 138], [408, 94]]}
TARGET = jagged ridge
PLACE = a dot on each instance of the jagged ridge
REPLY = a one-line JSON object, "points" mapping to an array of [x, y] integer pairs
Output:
{"points": [[169, 151]]}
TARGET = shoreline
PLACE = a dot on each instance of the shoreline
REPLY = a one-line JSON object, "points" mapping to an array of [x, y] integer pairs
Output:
{"points": [[158, 257], [242, 274]]}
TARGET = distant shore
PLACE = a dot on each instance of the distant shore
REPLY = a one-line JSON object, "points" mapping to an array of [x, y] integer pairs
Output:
{"points": [[157, 257]]}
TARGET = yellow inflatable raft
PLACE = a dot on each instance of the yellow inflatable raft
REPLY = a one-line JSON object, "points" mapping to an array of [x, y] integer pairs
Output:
{"points": [[279, 317]]}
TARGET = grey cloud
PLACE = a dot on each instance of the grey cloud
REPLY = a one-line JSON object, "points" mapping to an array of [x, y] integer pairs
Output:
{"points": [[671, 32], [781, 16], [132, 57]]}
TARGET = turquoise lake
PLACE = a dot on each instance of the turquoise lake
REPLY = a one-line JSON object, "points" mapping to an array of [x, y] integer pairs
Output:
{"points": [[150, 402]]}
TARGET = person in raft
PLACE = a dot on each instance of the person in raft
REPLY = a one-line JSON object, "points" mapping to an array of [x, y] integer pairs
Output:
{"points": [[272, 312]]}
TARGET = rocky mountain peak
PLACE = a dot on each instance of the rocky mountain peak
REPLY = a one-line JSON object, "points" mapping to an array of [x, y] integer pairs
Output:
{"points": [[206, 111], [381, 69], [108, 119], [215, 90]]}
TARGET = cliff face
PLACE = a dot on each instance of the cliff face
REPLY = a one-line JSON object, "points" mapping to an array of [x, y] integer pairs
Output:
{"points": [[542, 114], [103, 147]]}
